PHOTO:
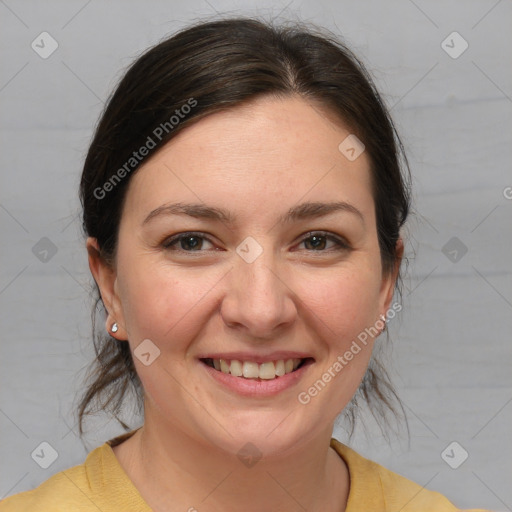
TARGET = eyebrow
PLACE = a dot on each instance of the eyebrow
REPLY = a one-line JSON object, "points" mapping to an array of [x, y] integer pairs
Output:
{"points": [[309, 210]]}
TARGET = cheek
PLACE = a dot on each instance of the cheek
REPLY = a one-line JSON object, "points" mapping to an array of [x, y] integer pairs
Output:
{"points": [[162, 302], [346, 309], [346, 301], [159, 302]]}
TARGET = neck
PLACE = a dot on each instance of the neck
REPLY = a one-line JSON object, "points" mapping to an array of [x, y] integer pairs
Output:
{"points": [[167, 466]]}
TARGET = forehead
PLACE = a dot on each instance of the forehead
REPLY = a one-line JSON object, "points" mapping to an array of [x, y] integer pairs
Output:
{"points": [[255, 156]]}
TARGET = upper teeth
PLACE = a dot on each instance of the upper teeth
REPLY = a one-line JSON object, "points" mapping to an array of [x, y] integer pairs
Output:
{"points": [[252, 370]]}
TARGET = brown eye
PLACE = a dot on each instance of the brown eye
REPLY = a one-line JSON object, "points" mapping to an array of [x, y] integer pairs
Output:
{"points": [[319, 240], [186, 242]]}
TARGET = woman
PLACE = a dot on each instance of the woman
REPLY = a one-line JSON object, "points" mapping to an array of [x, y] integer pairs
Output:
{"points": [[242, 201]]}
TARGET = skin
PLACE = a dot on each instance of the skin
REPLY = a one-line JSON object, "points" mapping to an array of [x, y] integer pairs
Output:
{"points": [[257, 161]]}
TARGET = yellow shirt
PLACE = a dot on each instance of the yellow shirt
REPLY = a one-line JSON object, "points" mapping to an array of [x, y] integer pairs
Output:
{"points": [[100, 484]]}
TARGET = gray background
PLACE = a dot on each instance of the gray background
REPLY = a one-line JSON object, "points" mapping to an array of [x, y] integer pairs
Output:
{"points": [[451, 349]]}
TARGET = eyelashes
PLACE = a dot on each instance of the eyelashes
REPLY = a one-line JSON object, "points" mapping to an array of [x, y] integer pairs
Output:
{"points": [[195, 242], [170, 243]]}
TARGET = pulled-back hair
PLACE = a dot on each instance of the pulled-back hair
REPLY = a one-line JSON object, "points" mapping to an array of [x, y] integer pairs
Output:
{"points": [[213, 66]]}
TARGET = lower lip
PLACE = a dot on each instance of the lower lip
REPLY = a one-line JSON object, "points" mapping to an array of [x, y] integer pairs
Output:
{"points": [[257, 388]]}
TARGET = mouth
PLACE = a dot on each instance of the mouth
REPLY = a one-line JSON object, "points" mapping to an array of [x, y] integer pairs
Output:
{"points": [[251, 370]]}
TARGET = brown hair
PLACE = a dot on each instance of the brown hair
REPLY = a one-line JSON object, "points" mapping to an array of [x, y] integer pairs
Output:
{"points": [[217, 65]]}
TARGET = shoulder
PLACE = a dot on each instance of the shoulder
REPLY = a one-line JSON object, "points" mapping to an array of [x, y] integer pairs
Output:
{"points": [[64, 491], [99, 483], [388, 490]]}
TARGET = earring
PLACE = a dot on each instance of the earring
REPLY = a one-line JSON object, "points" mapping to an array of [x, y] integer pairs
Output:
{"points": [[114, 327]]}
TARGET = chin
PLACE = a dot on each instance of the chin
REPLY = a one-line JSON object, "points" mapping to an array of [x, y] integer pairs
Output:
{"points": [[263, 434]]}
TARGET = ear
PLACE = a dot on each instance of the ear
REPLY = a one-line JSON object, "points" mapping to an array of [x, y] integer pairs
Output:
{"points": [[105, 276], [389, 280]]}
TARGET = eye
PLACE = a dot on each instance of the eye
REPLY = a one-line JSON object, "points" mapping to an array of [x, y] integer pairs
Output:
{"points": [[317, 241], [188, 242]]}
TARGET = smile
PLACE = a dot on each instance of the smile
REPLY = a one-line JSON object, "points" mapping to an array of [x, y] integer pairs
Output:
{"points": [[268, 370]]}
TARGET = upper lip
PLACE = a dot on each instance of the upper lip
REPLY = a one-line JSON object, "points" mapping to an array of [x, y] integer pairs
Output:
{"points": [[256, 357]]}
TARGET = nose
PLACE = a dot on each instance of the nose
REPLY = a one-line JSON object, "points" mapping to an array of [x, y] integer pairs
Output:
{"points": [[258, 300]]}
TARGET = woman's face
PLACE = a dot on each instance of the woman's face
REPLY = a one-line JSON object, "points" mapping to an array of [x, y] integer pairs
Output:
{"points": [[265, 280]]}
